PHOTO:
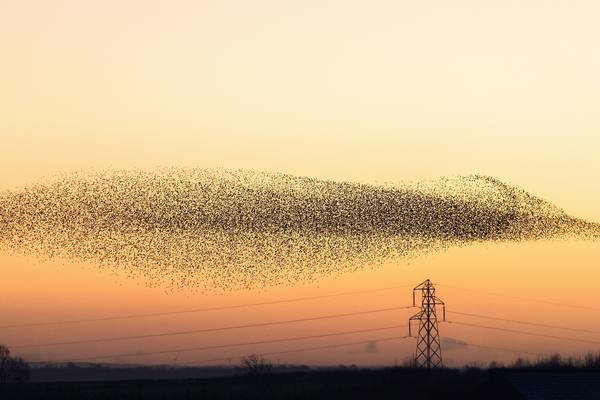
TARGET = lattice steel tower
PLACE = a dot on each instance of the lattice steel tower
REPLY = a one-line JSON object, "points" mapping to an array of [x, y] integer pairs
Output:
{"points": [[429, 351]]}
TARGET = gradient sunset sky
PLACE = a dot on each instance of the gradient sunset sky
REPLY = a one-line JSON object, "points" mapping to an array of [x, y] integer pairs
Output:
{"points": [[369, 91]]}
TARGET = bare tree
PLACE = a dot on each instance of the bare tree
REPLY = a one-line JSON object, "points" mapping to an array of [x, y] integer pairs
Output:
{"points": [[256, 365], [12, 369], [4, 361]]}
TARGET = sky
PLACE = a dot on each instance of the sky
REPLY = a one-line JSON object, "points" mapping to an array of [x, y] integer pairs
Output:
{"points": [[369, 91]]}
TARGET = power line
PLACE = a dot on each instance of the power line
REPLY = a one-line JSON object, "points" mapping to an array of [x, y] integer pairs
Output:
{"points": [[553, 303], [524, 332], [195, 310], [222, 346], [270, 323], [386, 339], [524, 322]]}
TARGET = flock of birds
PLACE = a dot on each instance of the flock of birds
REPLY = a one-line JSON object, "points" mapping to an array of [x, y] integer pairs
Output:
{"points": [[224, 230]]}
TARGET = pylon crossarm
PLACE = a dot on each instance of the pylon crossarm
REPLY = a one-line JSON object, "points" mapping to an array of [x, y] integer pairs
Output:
{"points": [[416, 317], [438, 301], [415, 290], [420, 285]]}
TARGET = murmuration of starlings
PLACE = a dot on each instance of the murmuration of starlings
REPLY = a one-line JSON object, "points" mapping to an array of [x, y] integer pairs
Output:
{"points": [[220, 230]]}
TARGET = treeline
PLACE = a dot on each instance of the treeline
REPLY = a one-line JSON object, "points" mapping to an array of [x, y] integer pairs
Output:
{"points": [[554, 362], [17, 370]]}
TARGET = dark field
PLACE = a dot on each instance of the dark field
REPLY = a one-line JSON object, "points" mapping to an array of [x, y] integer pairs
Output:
{"points": [[399, 383], [547, 379]]}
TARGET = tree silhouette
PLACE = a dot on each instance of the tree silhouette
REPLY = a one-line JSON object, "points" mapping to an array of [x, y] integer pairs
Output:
{"points": [[256, 365], [12, 369]]}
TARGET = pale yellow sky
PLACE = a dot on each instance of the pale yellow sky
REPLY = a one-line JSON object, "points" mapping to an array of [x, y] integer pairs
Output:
{"points": [[377, 90]]}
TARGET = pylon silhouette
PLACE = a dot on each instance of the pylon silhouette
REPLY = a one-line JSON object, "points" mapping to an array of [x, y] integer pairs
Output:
{"points": [[429, 350]]}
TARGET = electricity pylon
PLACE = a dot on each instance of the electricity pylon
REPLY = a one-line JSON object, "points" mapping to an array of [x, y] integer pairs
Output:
{"points": [[429, 350]]}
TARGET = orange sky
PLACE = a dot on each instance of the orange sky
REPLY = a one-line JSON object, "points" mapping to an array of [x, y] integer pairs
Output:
{"points": [[382, 91], [557, 272]]}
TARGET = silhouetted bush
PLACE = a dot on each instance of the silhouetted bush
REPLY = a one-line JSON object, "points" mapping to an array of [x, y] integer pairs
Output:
{"points": [[12, 369], [256, 365]]}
